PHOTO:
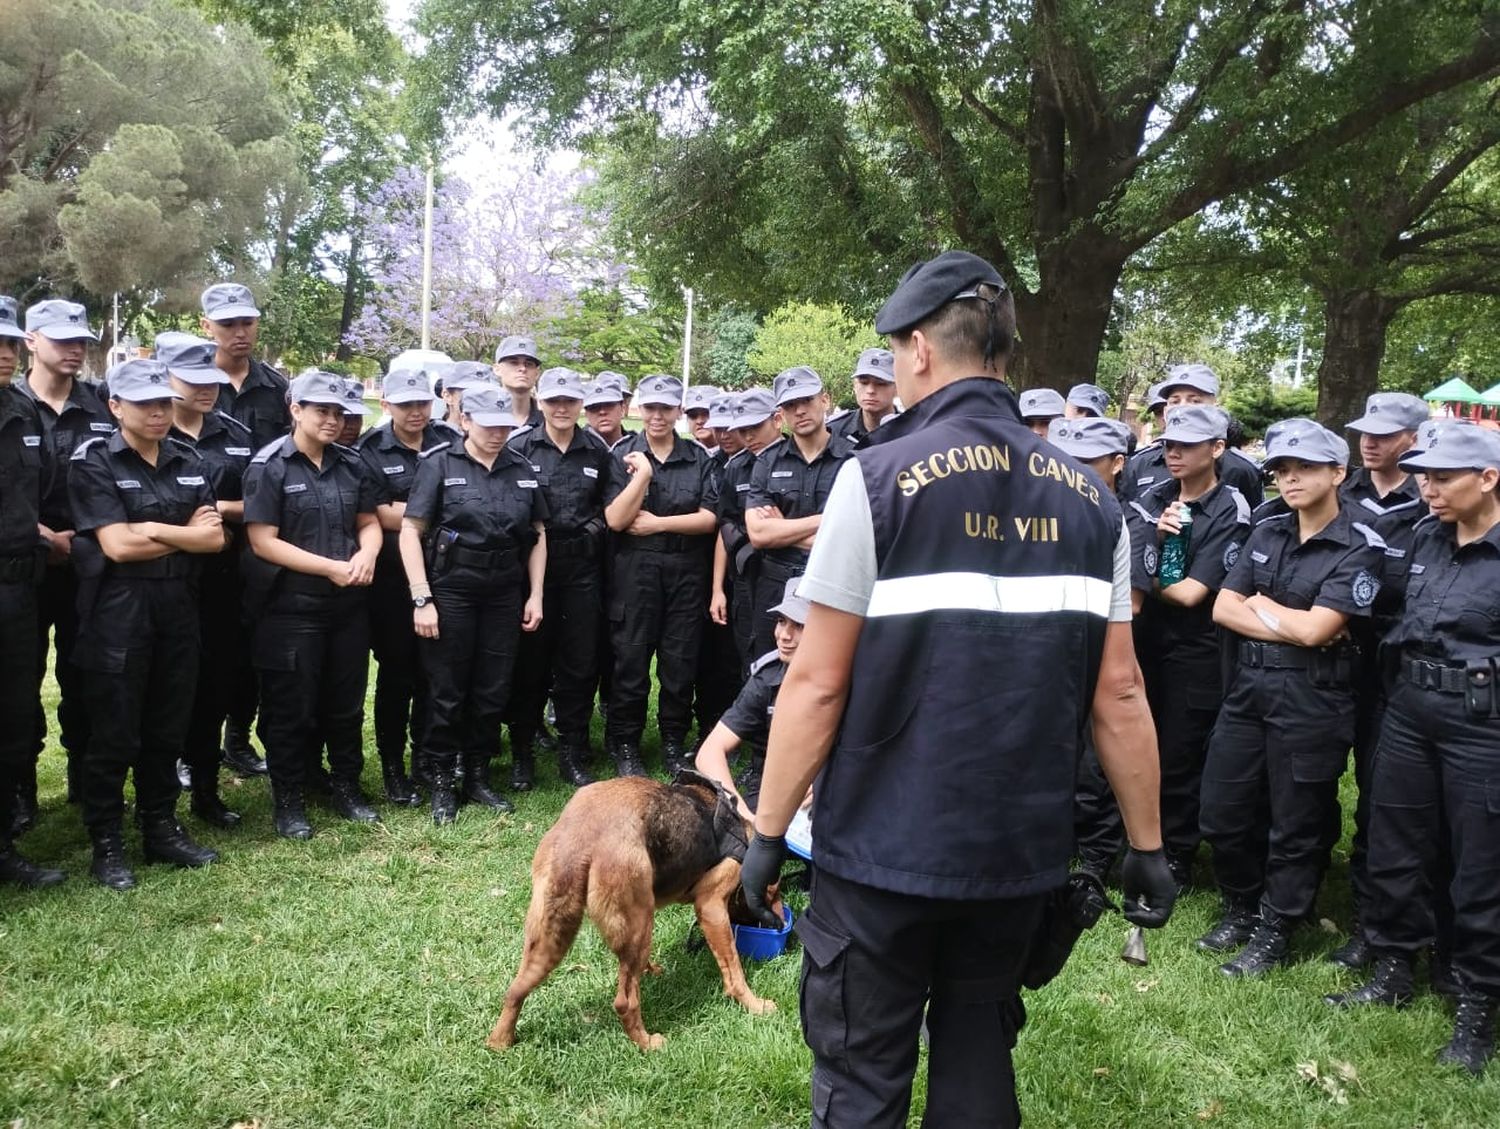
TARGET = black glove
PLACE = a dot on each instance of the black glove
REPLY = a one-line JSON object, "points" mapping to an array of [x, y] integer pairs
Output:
{"points": [[762, 868], [1150, 890]]}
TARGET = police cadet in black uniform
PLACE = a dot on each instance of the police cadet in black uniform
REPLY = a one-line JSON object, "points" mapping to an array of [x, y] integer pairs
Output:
{"points": [[788, 490], [458, 377], [145, 513], [1100, 445], [473, 543], [697, 399], [1436, 776], [605, 402], [518, 368], [757, 423], [943, 811], [310, 512], [1270, 780], [664, 519], [22, 560], [1039, 407], [1179, 645], [71, 411], [576, 473], [1184, 385], [390, 453], [223, 444], [874, 397], [719, 670]]}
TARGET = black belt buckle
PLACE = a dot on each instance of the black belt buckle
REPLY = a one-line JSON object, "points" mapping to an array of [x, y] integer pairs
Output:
{"points": [[1253, 655], [1479, 687]]}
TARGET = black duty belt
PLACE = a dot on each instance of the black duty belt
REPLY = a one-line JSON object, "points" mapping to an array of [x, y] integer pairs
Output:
{"points": [[663, 542], [1449, 678], [1275, 656], [565, 546], [481, 558], [172, 567]]}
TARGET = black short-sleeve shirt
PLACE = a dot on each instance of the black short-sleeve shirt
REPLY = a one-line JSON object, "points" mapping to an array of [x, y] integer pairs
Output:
{"points": [[1221, 523], [798, 488], [260, 404], [1147, 470], [575, 482], [488, 509], [109, 483], [311, 508], [683, 484], [226, 447], [1451, 609], [1339, 567], [85, 415], [24, 460], [391, 463], [749, 718]]}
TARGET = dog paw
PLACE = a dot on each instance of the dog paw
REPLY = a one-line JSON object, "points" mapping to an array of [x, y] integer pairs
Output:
{"points": [[654, 968], [500, 1042], [756, 1005], [655, 1042]]}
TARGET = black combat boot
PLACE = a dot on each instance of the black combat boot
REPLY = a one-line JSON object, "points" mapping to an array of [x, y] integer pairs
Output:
{"points": [[1237, 921], [1389, 984], [109, 866], [206, 804], [421, 767], [15, 868], [350, 802], [21, 817], [572, 761], [675, 756], [289, 813], [1354, 953], [1266, 950], [1473, 1039], [241, 758], [1441, 978], [477, 788], [444, 797], [164, 840], [522, 765], [628, 760], [398, 786]]}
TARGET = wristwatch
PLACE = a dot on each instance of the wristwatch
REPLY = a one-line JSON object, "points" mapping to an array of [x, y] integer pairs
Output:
{"points": [[420, 601]]}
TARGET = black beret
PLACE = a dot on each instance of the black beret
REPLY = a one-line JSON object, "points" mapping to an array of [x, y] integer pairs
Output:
{"points": [[931, 285]]}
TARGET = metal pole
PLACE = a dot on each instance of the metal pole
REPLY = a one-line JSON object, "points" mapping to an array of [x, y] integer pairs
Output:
{"points": [[427, 261], [687, 339], [116, 320]]}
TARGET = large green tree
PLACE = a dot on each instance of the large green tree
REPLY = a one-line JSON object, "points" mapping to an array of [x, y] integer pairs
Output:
{"points": [[812, 149]]}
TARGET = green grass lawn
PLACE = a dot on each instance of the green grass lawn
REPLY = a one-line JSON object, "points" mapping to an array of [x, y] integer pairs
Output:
{"points": [[351, 981]]}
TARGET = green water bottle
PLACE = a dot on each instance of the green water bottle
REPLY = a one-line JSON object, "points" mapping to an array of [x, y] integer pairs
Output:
{"points": [[1174, 550]]}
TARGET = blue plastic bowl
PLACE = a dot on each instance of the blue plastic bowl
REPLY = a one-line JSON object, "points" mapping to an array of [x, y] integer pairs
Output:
{"points": [[757, 943]]}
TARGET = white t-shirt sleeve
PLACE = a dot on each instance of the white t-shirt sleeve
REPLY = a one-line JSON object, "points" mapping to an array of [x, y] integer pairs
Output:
{"points": [[1119, 595], [841, 571]]}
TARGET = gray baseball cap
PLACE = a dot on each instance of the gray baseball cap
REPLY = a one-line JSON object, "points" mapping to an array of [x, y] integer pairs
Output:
{"points": [[1154, 398], [1089, 396], [224, 301], [1195, 423], [354, 398], [560, 384], [596, 394], [1090, 438], [139, 382], [721, 411], [700, 397], [753, 407], [406, 386], [1307, 441], [796, 384], [660, 389], [489, 406], [1431, 428], [1456, 447], [1201, 378], [793, 606], [879, 364], [517, 345], [614, 380], [467, 374], [189, 358], [58, 320], [1040, 403], [318, 387], [10, 320], [1389, 412]]}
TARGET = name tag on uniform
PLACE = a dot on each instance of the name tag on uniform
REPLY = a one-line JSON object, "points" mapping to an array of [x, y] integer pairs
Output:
{"points": [[1418, 570], [105, 427], [1146, 481], [455, 482], [1392, 551], [31, 440], [781, 474], [189, 480], [246, 451], [397, 469], [1259, 558], [526, 483], [741, 487], [127, 484], [590, 472], [293, 487]]}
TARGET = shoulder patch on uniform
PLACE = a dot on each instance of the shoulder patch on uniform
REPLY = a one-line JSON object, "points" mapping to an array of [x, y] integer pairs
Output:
{"points": [[1372, 539], [1150, 558], [1364, 588], [764, 661], [82, 448], [1231, 555], [427, 454]]}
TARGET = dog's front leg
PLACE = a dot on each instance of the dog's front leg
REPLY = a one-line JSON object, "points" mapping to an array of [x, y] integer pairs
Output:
{"points": [[711, 904]]}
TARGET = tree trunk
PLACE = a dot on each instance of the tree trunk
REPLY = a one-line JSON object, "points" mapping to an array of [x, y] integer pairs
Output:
{"points": [[1061, 326], [1355, 324], [352, 295]]}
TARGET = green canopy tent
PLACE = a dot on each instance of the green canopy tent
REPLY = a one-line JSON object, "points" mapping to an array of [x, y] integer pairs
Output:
{"points": [[1489, 402], [1456, 391]]}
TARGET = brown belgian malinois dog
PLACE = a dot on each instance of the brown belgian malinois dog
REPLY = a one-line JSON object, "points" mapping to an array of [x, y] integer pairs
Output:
{"points": [[620, 850]]}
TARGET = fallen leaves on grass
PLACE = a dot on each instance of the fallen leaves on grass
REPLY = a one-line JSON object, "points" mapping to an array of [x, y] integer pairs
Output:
{"points": [[1335, 1081], [1329, 926], [1210, 1111], [1147, 985], [253, 1123], [1101, 1072]]}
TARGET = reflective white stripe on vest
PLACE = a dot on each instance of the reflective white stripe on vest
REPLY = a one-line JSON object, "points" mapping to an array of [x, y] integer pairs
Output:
{"points": [[978, 592]]}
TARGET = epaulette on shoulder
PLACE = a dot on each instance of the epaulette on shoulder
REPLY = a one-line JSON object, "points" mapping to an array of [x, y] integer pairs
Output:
{"points": [[265, 453], [838, 415], [775, 445], [185, 448], [1241, 506], [427, 454], [233, 424], [1145, 514], [82, 449], [764, 661], [276, 372], [1269, 510], [1372, 539]]}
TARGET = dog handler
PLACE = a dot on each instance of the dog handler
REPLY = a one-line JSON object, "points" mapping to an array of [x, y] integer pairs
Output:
{"points": [[961, 563]]}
